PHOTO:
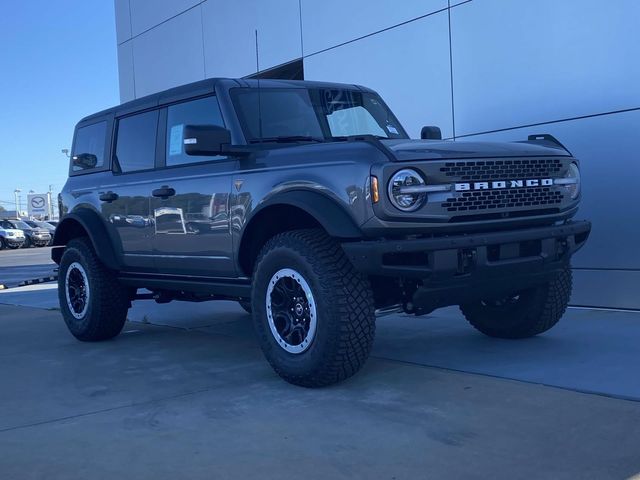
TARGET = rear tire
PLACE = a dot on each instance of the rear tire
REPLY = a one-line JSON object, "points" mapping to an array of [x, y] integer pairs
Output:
{"points": [[523, 315], [93, 303], [3, 244], [313, 312]]}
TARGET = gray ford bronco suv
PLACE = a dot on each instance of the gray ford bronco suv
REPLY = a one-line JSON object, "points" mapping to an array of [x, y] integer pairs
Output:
{"points": [[308, 203]]}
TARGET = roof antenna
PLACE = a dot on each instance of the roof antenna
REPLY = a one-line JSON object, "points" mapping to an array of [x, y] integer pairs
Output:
{"points": [[259, 96]]}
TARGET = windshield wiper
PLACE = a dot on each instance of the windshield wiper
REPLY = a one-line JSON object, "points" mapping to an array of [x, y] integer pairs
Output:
{"points": [[286, 139], [344, 138]]}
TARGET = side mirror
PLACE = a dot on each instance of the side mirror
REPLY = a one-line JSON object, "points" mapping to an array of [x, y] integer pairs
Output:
{"points": [[431, 133], [209, 140], [85, 160]]}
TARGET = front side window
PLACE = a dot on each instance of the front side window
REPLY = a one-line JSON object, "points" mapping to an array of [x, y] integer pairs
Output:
{"points": [[88, 149], [317, 114], [204, 111], [136, 142]]}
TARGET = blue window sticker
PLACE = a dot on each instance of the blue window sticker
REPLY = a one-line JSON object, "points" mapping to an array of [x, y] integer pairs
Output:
{"points": [[175, 140], [392, 129]]}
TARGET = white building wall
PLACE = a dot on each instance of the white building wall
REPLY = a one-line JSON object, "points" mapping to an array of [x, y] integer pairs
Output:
{"points": [[491, 69]]}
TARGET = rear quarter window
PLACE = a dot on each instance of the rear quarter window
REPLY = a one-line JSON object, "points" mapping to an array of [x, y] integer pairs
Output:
{"points": [[89, 146]]}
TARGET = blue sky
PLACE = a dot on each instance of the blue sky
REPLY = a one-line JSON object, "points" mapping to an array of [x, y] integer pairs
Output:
{"points": [[58, 63]]}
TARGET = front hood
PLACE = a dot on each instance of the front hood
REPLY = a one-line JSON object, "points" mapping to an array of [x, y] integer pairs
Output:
{"points": [[409, 150], [15, 231]]}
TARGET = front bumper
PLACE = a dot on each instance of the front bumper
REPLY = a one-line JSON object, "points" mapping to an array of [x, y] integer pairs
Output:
{"points": [[14, 241], [455, 269], [40, 239]]}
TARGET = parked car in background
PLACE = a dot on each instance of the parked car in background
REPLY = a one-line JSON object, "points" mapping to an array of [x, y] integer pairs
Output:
{"points": [[11, 238], [45, 225], [38, 237], [53, 222]]}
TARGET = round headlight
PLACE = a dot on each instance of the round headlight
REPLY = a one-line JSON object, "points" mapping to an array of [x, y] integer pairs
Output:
{"points": [[401, 195], [573, 188]]}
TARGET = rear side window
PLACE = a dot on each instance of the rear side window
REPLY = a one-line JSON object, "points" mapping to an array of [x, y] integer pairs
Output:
{"points": [[88, 150], [204, 111], [136, 142]]}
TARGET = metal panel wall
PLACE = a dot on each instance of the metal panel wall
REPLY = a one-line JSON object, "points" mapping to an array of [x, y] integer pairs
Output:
{"points": [[329, 23], [521, 62], [416, 86], [170, 54], [229, 35]]}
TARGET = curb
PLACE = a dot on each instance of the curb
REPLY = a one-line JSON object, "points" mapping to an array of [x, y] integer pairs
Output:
{"points": [[51, 278], [34, 281]]}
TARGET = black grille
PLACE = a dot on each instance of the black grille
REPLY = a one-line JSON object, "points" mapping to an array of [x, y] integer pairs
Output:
{"points": [[503, 169], [498, 199]]}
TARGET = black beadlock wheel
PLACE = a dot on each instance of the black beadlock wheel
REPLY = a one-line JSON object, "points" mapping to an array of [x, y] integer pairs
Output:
{"points": [[525, 314], [93, 303], [313, 312]]}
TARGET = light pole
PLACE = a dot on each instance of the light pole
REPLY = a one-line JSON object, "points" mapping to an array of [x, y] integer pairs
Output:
{"points": [[16, 194], [50, 212]]}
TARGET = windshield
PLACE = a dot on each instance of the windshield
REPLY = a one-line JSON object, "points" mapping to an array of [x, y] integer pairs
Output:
{"points": [[20, 225], [312, 114], [40, 224]]}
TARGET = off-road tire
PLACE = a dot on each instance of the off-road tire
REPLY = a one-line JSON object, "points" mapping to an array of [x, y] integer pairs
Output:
{"points": [[246, 306], [108, 303], [343, 299], [534, 312]]}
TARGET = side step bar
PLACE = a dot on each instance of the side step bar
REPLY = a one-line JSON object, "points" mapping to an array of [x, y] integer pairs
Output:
{"points": [[222, 287]]}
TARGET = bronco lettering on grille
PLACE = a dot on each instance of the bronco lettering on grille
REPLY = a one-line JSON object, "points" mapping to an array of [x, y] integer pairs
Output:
{"points": [[501, 184]]}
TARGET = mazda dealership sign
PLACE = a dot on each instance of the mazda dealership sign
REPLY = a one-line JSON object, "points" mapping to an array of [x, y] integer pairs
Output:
{"points": [[38, 205]]}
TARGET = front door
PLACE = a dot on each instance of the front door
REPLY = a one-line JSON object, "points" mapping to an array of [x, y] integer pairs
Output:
{"points": [[190, 200]]}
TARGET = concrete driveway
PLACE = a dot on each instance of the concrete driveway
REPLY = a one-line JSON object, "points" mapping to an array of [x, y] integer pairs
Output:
{"points": [[185, 393]]}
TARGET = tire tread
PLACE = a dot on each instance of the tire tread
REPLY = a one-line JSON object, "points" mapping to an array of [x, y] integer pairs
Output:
{"points": [[110, 302], [352, 300]]}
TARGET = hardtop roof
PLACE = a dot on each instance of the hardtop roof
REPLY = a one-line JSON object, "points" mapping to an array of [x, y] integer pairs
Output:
{"points": [[208, 86]]}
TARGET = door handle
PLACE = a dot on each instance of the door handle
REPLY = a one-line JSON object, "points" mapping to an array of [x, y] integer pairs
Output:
{"points": [[163, 192], [108, 197]]}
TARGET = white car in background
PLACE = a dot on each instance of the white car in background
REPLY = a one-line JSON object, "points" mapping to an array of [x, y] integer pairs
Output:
{"points": [[11, 238]]}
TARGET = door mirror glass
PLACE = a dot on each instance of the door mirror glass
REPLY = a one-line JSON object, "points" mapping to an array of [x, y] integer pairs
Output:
{"points": [[84, 161]]}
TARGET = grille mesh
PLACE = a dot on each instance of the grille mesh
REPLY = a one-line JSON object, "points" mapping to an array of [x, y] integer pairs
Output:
{"points": [[497, 199], [501, 169]]}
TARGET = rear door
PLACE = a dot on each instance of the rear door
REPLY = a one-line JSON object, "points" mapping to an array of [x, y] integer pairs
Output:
{"points": [[190, 199], [125, 201]]}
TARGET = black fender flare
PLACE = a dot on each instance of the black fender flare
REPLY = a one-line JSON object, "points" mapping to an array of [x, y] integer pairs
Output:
{"points": [[325, 211], [328, 212], [88, 221]]}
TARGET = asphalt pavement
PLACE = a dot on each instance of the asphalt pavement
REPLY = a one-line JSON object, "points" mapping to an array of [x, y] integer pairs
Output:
{"points": [[24, 264]]}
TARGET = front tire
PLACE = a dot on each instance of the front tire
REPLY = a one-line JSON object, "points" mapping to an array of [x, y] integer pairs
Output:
{"points": [[3, 244], [93, 303], [313, 312], [524, 315]]}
